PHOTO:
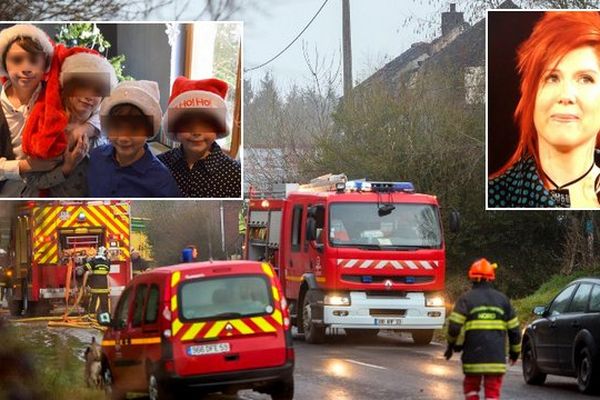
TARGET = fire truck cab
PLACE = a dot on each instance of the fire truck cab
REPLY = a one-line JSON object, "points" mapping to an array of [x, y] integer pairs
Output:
{"points": [[362, 256]]}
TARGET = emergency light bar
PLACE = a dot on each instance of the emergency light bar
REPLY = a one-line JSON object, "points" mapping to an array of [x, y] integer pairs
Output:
{"points": [[365, 186]]}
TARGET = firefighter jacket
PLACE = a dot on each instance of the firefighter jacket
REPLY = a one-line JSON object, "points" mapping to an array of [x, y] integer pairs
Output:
{"points": [[98, 278], [486, 316]]}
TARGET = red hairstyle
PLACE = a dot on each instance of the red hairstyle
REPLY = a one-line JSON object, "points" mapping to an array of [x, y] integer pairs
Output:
{"points": [[554, 35]]}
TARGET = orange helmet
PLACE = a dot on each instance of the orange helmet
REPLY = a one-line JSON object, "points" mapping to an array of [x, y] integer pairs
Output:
{"points": [[482, 269]]}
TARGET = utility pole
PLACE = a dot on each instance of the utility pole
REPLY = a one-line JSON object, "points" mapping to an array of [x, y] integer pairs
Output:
{"points": [[346, 48]]}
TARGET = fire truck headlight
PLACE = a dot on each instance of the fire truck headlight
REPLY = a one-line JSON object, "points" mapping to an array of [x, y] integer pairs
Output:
{"points": [[435, 301], [336, 300]]}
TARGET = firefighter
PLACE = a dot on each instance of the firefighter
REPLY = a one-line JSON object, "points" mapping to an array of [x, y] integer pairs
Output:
{"points": [[485, 316], [97, 270]]}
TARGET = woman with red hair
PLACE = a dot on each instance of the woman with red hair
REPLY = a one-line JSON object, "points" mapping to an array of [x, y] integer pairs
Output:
{"points": [[558, 114]]}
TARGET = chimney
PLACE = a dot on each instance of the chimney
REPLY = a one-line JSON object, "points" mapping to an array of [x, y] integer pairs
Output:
{"points": [[451, 20]]}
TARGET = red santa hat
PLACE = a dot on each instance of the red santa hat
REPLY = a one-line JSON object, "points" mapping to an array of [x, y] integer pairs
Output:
{"points": [[9, 35], [143, 94], [206, 96]]}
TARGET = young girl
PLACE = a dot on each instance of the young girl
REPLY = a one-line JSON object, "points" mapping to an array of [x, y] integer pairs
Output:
{"points": [[85, 77]]}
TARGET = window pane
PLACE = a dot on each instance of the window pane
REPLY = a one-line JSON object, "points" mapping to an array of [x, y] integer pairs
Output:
{"points": [[226, 298], [153, 304], [595, 299], [561, 302], [123, 309], [138, 310], [580, 300], [296, 228]]}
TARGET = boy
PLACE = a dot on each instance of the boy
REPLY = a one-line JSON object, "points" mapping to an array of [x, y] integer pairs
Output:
{"points": [[126, 167], [25, 53], [196, 118]]}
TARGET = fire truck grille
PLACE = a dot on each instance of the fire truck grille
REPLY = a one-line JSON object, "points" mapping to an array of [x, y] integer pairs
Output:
{"points": [[379, 279], [382, 312]]}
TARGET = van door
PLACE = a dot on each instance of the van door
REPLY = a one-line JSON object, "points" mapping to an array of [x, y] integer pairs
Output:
{"points": [[120, 335], [134, 348]]}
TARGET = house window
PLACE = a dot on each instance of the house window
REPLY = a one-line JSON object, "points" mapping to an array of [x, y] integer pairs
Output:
{"points": [[474, 85]]}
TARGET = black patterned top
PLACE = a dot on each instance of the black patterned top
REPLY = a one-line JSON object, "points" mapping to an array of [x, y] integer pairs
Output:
{"points": [[217, 175]]}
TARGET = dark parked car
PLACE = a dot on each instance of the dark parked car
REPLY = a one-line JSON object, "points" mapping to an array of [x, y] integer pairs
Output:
{"points": [[566, 339]]}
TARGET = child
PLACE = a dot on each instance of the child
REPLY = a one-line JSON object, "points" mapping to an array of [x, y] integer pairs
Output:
{"points": [[85, 77], [25, 54], [126, 167], [196, 118]]}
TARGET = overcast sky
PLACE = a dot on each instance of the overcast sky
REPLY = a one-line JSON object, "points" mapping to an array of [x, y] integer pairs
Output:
{"points": [[379, 34]]}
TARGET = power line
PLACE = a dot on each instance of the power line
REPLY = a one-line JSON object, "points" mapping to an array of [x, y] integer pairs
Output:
{"points": [[291, 43]]}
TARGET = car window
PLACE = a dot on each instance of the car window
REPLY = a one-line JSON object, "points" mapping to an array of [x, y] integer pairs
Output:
{"points": [[152, 305], [123, 310], [580, 300], [595, 299], [561, 302], [138, 305]]}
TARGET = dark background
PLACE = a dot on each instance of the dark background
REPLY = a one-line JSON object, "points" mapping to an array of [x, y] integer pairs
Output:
{"points": [[506, 31]]}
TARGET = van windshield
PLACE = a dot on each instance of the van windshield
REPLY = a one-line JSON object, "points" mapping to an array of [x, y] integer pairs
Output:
{"points": [[404, 226], [225, 298]]}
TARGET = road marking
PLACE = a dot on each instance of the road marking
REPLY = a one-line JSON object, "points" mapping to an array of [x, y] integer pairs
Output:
{"points": [[363, 364]]}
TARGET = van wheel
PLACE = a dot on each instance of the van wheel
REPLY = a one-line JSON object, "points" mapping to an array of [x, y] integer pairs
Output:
{"points": [[422, 337], [531, 373], [282, 390], [587, 376], [112, 391], [157, 389], [312, 334]]}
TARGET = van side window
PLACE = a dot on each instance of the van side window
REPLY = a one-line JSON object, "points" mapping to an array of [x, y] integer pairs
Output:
{"points": [[123, 310], [320, 222], [152, 305], [296, 228], [138, 306]]}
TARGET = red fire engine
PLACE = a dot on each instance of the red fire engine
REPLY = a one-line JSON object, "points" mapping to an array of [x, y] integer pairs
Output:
{"points": [[47, 236], [357, 255]]}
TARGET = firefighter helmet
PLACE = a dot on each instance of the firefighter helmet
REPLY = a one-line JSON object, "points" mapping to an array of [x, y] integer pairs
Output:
{"points": [[482, 269], [101, 252]]}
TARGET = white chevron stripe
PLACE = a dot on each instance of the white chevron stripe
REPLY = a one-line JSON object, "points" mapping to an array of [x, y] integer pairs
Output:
{"points": [[339, 261], [396, 264], [411, 265], [351, 263], [426, 265], [366, 264], [381, 264]]}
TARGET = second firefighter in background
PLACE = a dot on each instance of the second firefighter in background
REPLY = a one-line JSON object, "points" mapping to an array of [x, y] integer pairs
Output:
{"points": [[486, 317], [97, 270]]}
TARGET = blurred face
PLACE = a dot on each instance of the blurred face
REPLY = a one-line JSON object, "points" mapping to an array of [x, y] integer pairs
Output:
{"points": [[25, 70], [196, 137], [567, 105], [128, 139], [83, 101]]}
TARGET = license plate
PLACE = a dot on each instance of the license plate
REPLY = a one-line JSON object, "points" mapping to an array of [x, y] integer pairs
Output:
{"points": [[387, 321], [205, 349]]}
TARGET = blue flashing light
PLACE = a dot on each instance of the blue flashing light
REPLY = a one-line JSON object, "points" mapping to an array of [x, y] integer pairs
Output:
{"points": [[367, 279], [410, 279]]}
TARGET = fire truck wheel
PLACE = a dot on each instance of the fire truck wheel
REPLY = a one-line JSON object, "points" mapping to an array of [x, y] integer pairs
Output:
{"points": [[112, 391], [15, 307], [313, 334], [157, 389], [422, 337], [282, 390]]}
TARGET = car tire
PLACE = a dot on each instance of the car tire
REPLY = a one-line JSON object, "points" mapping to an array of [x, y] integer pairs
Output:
{"points": [[112, 391], [587, 374], [157, 390], [531, 372], [313, 334], [282, 390], [422, 337], [362, 334]]}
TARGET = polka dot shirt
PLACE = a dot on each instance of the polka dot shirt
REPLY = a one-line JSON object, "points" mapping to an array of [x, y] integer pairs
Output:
{"points": [[521, 186], [215, 176]]}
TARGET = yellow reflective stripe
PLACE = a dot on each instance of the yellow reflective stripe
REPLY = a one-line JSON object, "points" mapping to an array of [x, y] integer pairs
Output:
{"points": [[515, 348], [215, 329], [99, 291], [513, 323], [263, 324], [175, 278], [277, 316], [267, 270], [153, 340], [490, 368], [491, 325], [241, 326], [177, 325], [107, 343], [497, 310], [275, 293], [193, 331], [174, 303], [457, 317]]}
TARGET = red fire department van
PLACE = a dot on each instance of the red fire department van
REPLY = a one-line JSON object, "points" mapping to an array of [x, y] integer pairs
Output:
{"points": [[47, 236], [207, 327], [361, 256]]}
